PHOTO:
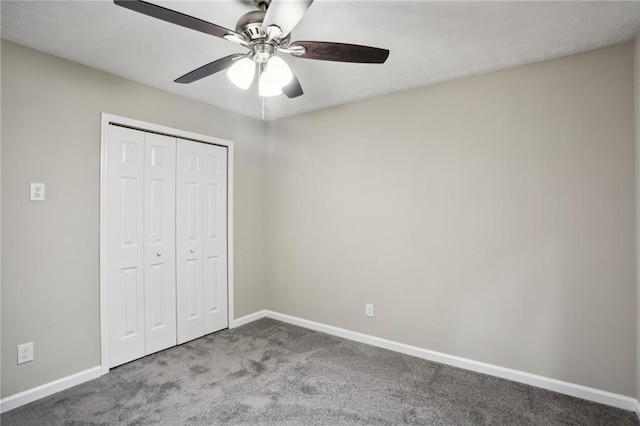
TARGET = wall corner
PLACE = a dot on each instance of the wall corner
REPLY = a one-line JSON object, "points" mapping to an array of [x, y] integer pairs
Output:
{"points": [[636, 75]]}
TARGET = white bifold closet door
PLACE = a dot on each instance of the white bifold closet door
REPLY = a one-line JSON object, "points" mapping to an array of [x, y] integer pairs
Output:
{"points": [[141, 279], [201, 234]]}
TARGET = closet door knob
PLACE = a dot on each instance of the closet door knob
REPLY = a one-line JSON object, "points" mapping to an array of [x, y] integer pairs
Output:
{"points": [[158, 254], [192, 251]]}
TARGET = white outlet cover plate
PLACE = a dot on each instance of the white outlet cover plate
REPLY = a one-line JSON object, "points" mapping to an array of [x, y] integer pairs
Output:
{"points": [[369, 310], [37, 191], [25, 352]]}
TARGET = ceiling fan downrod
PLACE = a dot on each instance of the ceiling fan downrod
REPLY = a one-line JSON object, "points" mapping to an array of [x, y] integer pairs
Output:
{"points": [[261, 4]]}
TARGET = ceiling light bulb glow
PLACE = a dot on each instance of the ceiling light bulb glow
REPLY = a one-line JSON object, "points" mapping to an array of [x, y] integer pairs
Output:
{"points": [[242, 72], [269, 85], [281, 71]]}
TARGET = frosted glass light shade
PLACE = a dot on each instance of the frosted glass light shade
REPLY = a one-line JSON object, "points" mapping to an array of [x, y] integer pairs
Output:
{"points": [[242, 72], [269, 85], [280, 70]]}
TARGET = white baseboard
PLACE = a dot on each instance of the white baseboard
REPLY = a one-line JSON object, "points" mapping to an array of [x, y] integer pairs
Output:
{"points": [[579, 391], [30, 395], [249, 318]]}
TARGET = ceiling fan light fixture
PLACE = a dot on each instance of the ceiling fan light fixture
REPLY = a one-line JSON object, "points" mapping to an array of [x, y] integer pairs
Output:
{"points": [[269, 85], [242, 72], [280, 70]]}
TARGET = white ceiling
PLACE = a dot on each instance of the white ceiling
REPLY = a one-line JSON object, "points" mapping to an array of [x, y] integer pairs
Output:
{"points": [[430, 42]]}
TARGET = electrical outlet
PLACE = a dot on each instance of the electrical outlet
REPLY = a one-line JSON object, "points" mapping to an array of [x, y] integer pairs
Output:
{"points": [[368, 311], [25, 352], [37, 192]]}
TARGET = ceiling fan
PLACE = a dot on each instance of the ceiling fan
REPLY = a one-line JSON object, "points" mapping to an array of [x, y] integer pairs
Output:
{"points": [[265, 32]]}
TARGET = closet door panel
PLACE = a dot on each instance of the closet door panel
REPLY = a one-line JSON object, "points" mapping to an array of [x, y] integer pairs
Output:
{"points": [[215, 234], [189, 245], [159, 221], [125, 245], [192, 290]]}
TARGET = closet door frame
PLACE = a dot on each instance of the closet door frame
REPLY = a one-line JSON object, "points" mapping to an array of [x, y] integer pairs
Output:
{"points": [[106, 120]]}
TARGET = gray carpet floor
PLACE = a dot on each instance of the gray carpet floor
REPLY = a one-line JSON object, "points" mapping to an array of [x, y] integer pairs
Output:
{"points": [[268, 372]]}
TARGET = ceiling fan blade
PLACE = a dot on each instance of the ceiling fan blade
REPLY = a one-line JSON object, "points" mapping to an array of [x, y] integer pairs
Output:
{"points": [[285, 14], [174, 17], [209, 69], [340, 52], [293, 89]]}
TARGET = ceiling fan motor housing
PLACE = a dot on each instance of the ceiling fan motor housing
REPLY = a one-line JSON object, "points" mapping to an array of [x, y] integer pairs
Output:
{"points": [[250, 25]]}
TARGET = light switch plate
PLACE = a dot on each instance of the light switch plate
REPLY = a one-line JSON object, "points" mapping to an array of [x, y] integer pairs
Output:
{"points": [[37, 191]]}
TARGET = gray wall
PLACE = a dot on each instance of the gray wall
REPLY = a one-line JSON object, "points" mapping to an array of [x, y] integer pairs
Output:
{"points": [[491, 218], [51, 133]]}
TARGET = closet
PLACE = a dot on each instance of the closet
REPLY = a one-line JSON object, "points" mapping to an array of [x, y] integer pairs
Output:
{"points": [[166, 241]]}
